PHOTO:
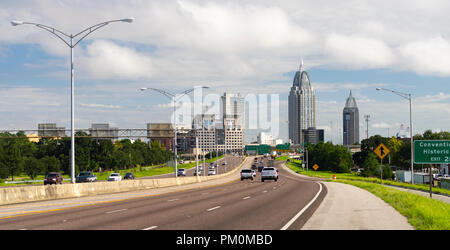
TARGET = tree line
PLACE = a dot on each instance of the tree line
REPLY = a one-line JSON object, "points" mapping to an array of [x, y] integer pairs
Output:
{"points": [[338, 159], [19, 156]]}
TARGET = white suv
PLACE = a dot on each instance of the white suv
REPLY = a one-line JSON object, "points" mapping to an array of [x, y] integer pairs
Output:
{"points": [[246, 174], [269, 173]]}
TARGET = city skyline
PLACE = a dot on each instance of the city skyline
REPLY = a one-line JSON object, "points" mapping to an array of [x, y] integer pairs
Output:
{"points": [[236, 50]]}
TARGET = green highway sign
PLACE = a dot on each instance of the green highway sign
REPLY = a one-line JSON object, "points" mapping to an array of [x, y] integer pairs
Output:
{"points": [[431, 151]]}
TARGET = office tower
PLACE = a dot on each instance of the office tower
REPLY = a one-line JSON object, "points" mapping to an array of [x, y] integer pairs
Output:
{"points": [[350, 121], [302, 106], [233, 122], [204, 126]]}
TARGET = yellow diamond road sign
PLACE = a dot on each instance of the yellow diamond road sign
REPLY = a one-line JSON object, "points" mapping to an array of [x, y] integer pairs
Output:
{"points": [[381, 151], [315, 167]]}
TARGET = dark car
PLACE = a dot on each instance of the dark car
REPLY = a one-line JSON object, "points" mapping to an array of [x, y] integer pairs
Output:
{"points": [[53, 178], [129, 176], [85, 176], [253, 167], [260, 168]]}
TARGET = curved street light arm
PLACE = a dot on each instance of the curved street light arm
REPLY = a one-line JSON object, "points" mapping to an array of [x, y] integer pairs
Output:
{"points": [[91, 29], [401, 94], [51, 30]]}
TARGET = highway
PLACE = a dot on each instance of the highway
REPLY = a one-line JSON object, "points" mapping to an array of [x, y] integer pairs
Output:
{"points": [[238, 205], [231, 163]]}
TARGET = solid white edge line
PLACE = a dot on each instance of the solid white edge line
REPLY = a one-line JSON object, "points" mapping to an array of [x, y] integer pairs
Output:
{"points": [[150, 228], [303, 210]]}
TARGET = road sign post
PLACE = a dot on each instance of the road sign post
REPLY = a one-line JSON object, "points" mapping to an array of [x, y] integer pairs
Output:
{"points": [[381, 151], [431, 152]]}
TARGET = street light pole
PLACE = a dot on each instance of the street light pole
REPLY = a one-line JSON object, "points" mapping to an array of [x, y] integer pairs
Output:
{"points": [[61, 35], [174, 99], [408, 97]]}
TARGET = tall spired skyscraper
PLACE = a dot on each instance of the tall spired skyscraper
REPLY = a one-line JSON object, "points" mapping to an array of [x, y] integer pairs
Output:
{"points": [[350, 121], [302, 106]]}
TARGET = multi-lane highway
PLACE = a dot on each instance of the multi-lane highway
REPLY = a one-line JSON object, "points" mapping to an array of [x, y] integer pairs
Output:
{"points": [[285, 204]]}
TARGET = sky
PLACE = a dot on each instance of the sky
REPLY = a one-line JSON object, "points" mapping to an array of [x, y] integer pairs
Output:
{"points": [[250, 47]]}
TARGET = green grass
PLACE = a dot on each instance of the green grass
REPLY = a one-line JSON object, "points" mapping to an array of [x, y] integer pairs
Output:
{"points": [[422, 213]]}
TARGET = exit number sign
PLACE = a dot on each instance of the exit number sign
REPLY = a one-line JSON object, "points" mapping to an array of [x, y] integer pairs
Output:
{"points": [[431, 151]]}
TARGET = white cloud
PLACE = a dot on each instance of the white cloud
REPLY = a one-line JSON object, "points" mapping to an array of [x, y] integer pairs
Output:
{"points": [[106, 60], [358, 52], [431, 56]]}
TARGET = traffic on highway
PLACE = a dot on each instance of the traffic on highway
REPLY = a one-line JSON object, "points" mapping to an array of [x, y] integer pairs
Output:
{"points": [[220, 206]]}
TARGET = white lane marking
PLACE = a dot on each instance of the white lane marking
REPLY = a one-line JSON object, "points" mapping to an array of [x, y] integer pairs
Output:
{"points": [[150, 228], [213, 208], [116, 211], [265, 191], [303, 210], [247, 197], [173, 200]]}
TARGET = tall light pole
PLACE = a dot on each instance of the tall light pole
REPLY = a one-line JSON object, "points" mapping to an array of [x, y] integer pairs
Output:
{"points": [[407, 96], [68, 40], [175, 98]]}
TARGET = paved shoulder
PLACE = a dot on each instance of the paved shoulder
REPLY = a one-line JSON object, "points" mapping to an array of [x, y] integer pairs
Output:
{"points": [[347, 207]]}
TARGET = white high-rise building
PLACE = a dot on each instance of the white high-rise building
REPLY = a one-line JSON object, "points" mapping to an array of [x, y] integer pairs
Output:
{"points": [[233, 121], [302, 106]]}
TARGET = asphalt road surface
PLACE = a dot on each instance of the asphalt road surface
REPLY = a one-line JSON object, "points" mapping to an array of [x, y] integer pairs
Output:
{"points": [[239, 205]]}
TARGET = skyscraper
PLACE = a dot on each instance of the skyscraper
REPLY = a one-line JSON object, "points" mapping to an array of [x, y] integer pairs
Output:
{"points": [[350, 121], [302, 106]]}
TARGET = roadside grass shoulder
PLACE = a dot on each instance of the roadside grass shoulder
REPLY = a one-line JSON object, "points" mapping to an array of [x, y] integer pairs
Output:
{"points": [[422, 213]]}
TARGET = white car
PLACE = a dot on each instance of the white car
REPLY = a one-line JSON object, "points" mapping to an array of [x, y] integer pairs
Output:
{"points": [[211, 172], [114, 177]]}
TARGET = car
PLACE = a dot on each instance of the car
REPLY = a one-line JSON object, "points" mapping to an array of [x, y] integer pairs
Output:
{"points": [[211, 172], [53, 178], [181, 172], [115, 177], [181, 162], [254, 167], [224, 163], [199, 172], [254, 173], [129, 176], [85, 176], [246, 173], [269, 173], [260, 168]]}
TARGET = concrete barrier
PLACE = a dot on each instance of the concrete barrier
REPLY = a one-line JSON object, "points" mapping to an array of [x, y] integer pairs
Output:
{"points": [[12, 195]]}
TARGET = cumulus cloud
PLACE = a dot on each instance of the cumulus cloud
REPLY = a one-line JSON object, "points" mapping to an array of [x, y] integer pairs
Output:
{"points": [[358, 52], [107, 60], [431, 56]]}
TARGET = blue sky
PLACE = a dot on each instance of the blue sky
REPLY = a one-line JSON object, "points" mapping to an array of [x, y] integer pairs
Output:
{"points": [[251, 47]]}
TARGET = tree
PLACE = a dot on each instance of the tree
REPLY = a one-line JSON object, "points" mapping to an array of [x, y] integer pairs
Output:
{"points": [[370, 165], [50, 164], [32, 167]]}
